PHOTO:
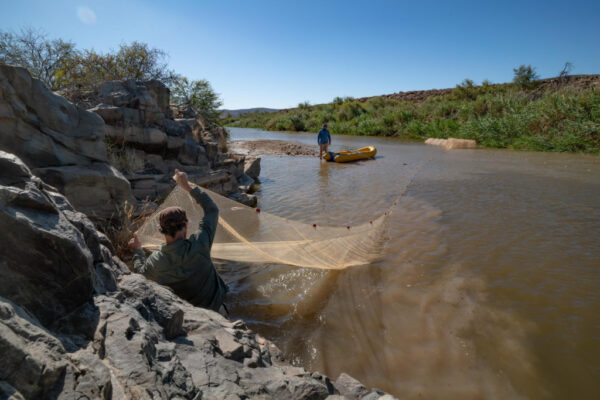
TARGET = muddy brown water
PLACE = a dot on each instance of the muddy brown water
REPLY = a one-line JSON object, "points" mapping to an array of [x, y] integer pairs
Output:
{"points": [[489, 285]]}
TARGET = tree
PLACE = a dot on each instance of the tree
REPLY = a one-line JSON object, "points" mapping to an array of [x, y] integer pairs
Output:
{"points": [[45, 59], [197, 94], [141, 62], [466, 89], [338, 100], [341, 100], [525, 75], [60, 66], [132, 61], [466, 83], [566, 71]]}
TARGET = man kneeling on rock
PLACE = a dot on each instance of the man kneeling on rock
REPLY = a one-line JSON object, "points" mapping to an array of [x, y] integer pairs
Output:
{"points": [[184, 264]]}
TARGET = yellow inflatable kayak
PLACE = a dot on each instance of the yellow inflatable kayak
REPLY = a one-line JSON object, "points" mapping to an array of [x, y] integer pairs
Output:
{"points": [[351, 155]]}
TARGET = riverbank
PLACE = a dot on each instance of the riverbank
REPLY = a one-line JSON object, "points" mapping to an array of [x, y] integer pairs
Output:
{"points": [[561, 115], [265, 147]]}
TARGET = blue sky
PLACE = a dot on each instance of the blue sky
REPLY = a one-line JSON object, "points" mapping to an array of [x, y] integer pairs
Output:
{"points": [[280, 53]]}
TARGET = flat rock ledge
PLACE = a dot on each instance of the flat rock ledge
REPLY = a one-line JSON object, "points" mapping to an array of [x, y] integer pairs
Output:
{"points": [[75, 323]]}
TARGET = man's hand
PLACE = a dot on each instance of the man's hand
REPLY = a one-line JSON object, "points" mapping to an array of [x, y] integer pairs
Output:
{"points": [[134, 243], [182, 180]]}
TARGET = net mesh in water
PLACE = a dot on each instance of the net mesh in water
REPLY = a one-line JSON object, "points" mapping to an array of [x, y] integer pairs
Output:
{"points": [[247, 235]]}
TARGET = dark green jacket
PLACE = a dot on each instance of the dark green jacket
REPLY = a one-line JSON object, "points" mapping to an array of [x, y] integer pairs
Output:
{"points": [[185, 265]]}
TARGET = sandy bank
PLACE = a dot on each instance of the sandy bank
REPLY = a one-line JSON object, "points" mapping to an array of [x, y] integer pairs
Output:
{"points": [[272, 147]]}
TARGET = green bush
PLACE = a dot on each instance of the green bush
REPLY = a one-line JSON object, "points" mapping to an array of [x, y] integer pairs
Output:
{"points": [[525, 75], [504, 116], [349, 110]]}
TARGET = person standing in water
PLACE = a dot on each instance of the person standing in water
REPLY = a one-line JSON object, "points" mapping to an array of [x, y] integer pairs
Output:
{"points": [[324, 140]]}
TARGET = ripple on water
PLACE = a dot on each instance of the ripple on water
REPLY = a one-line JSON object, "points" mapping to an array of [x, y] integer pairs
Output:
{"points": [[488, 286]]}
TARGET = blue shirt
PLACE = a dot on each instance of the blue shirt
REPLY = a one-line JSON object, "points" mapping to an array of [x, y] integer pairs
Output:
{"points": [[324, 137]]}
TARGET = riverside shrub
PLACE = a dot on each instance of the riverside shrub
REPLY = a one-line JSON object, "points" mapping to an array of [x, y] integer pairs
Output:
{"points": [[503, 116]]}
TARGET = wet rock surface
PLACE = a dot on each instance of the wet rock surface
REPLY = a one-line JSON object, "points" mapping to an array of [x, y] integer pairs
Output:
{"points": [[114, 334]]}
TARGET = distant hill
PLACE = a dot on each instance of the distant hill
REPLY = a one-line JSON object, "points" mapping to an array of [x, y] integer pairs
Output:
{"points": [[237, 113]]}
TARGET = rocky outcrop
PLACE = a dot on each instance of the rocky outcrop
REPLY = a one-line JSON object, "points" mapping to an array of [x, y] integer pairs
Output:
{"points": [[75, 323], [149, 139], [123, 150], [59, 139]]}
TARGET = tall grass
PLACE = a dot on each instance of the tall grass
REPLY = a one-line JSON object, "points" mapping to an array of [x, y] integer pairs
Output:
{"points": [[125, 221], [503, 116]]}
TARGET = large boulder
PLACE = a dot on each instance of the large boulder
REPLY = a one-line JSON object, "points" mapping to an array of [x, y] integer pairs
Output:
{"points": [[117, 116], [46, 266], [195, 125], [99, 189], [147, 139], [33, 360], [45, 129], [252, 167], [149, 98], [51, 134], [192, 154]]}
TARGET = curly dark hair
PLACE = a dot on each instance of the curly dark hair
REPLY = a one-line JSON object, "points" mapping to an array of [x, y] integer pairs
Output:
{"points": [[172, 229], [172, 220]]}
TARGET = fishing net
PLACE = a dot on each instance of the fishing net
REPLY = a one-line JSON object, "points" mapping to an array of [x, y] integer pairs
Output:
{"points": [[245, 234]]}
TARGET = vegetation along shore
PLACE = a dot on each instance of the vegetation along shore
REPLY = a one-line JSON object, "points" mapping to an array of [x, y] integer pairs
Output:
{"points": [[556, 114]]}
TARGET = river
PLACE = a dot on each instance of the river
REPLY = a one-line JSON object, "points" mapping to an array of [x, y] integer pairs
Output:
{"points": [[489, 285]]}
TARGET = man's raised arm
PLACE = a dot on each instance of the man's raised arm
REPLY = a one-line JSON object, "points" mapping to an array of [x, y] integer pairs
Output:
{"points": [[211, 211]]}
